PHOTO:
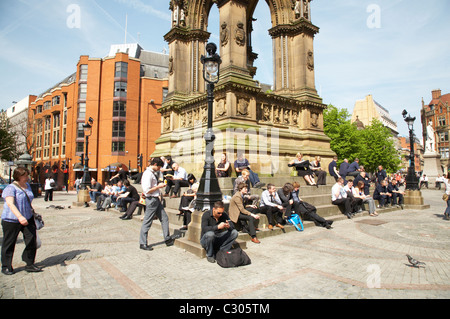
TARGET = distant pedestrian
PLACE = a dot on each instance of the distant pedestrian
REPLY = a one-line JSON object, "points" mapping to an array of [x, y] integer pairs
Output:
{"points": [[49, 187]]}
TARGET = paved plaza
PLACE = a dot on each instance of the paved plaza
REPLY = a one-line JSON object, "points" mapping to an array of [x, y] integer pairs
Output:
{"points": [[91, 254]]}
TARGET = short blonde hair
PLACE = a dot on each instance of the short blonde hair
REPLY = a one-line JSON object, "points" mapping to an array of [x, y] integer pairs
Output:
{"points": [[245, 171]]}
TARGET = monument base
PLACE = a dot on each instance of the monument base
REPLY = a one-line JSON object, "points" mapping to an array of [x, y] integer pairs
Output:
{"points": [[82, 198], [432, 166], [414, 200], [191, 242]]}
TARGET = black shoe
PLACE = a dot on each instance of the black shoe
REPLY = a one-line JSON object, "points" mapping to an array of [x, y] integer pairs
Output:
{"points": [[210, 259], [123, 216], [33, 268], [8, 271], [169, 242], [145, 247]]}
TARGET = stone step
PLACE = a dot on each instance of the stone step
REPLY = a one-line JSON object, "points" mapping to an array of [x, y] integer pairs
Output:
{"points": [[329, 212]]}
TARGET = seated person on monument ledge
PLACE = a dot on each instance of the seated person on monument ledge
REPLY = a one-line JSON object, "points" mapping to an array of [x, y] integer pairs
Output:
{"points": [[247, 216], [306, 210], [397, 196], [178, 180], [218, 232], [223, 168], [242, 163], [187, 205], [248, 197], [303, 169], [270, 205], [382, 195], [359, 192], [356, 202], [317, 170], [339, 197], [354, 168]]}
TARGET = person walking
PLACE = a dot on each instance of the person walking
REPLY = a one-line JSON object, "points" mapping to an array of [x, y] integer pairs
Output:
{"points": [[18, 217], [151, 189], [48, 187]]}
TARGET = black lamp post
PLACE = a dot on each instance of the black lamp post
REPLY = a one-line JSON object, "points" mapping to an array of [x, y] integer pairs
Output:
{"points": [[86, 180], [412, 182], [209, 191]]}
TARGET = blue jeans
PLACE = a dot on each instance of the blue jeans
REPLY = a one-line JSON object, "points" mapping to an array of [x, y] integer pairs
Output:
{"points": [[213, 242], [447, 210]]}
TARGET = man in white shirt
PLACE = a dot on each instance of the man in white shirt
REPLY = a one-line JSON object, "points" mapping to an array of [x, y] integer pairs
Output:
{"points": [[151, 191], [271, 206], [339, 197], [178, 180]]}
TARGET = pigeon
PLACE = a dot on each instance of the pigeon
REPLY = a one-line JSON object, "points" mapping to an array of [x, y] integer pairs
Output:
{"points": [[415, 262]]}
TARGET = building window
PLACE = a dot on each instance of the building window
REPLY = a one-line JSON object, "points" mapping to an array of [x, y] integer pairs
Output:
{"points": [[83, 72], [118, 147], [443, 137], [47, 105], [120, 89], [80, 130], [165, 91], [56, 100], [121, 70], [118, 129], [444, 152], [80, 147], [442, 121], [119, 109], [81, 110], [82, 92]]}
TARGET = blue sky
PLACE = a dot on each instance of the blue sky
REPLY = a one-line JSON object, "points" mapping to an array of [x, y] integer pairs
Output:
{"points": [[396, 50]]}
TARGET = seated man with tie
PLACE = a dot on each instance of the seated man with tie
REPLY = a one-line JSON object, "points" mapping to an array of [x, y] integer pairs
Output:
{"points": [[339, 197], [271, 206], [397, 195]]}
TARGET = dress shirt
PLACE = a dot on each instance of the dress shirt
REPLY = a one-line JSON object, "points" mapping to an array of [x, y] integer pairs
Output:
{"points": [[266, 199], [149, 181], [334, 190], [180, 173]]}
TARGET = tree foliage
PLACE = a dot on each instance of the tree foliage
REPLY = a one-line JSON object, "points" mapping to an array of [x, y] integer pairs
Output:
{"points": [[8, 138], [373, 146]]}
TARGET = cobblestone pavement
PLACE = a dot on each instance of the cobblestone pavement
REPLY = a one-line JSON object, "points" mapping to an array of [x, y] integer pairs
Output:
{"points": [[90, 254]]}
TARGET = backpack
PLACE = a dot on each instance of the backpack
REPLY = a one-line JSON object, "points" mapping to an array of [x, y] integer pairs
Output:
{"points": [[296, 221], [234, 257]]}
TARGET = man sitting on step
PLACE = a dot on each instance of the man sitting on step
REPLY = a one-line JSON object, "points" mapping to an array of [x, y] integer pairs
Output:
{"points": [[247, 216]]}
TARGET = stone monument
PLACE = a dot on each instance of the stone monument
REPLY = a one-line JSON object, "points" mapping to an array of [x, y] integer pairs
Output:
{"points": [[432, 164]]}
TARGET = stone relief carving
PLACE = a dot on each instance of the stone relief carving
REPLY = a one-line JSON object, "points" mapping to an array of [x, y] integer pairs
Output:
{"points": [[314, 119], [221, 111], [166, 126], [310, 60], [240, 34], [242, 107], [204, 115], [182, 120], [286, 117], [224, 34], [171, 65]]}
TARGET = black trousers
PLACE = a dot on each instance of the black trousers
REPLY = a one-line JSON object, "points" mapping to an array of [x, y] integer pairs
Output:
{"points": [[48, 195], [321, 177], [177, 184], [397, 199], [346, 202], [382, 199], [309, 212], [132, 207], [250, 221], [10, 233], [274, 215]]}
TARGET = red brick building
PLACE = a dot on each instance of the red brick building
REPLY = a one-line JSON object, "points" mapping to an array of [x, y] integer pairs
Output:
{"points": [[437, 110], [121, 93]]}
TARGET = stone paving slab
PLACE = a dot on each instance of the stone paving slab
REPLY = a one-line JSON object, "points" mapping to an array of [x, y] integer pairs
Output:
{"points": [[94, 255]]}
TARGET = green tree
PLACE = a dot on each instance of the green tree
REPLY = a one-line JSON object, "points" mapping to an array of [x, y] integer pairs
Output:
{"points": [[373, 146], [7, 140], [345, 141]]}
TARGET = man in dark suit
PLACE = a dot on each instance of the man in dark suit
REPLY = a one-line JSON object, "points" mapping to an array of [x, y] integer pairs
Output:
{"points": [[343, 169], [382, 194], [381, 174], [332, 168], [396, 194]]}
